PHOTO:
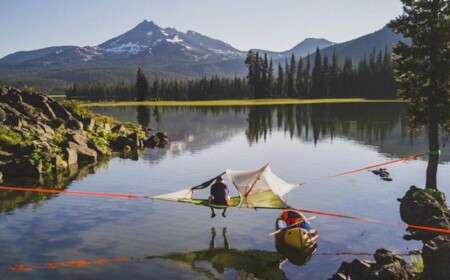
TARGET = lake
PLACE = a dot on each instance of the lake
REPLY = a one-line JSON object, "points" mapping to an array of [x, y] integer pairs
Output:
{"points": [[82, 237]]}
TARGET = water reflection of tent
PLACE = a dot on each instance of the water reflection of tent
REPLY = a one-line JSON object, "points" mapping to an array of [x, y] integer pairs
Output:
{"points": [[258, 188]]}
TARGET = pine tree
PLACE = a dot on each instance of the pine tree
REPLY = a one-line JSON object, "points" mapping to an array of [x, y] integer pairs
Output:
{"points": [[317, 83], [422, 70], [258, 65], [300, 82], [264, 77], [142, 86], [250, 62], [270, 80], [280, 81], [307, 77], [292, 69], [286, 76], [347, 79], [335, 72], [326, 77]]}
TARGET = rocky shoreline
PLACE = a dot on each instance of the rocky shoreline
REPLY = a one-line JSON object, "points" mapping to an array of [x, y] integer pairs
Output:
{"points": [[424, 207], [41, 137]]}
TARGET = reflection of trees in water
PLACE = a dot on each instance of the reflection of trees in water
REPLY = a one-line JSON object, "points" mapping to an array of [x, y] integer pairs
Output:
{"points": [[373, 122], [259, 122], [10, 200], [383, 125], [143, 116]]}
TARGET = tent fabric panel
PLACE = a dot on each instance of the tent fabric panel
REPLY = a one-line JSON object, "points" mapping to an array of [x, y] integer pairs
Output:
{"points": [[277, 185], [184, 195], [244, 180], [262, 200], [265, 180]]}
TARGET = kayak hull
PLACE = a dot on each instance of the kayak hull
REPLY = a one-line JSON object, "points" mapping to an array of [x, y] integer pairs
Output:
{"points": [[298, 232]]}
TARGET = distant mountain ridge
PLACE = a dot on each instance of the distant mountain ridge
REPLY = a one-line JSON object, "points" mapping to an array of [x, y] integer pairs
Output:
{"points": [[356, 49], [146, 38], [304, 48], [165, 52]]}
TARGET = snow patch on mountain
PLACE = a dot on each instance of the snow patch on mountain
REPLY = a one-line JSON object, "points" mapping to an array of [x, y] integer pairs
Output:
{"points": [[175, 40], [132, 48], [88, 53]]}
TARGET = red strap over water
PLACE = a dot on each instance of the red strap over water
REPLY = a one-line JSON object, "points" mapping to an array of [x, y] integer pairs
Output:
{"points": [[8, 188], [378, 165], [435, 229]]}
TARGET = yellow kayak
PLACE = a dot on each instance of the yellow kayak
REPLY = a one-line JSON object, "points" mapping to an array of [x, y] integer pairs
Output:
{"points": [[295, 230]]}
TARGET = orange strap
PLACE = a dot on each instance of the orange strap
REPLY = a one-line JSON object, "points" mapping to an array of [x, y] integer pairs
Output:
{"points": [[435, 229], [8, 188], [377, 165]]}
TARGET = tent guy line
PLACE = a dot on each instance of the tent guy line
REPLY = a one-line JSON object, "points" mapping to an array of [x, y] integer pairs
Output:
{"points": [[411, 157]]}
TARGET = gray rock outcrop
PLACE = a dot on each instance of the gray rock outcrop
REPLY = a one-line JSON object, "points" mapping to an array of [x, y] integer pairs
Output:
{"points": [[39, 135], [387, 266]]}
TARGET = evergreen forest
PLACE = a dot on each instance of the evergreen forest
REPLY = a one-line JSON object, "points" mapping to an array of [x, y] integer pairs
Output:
{"points": [[312, 77]]}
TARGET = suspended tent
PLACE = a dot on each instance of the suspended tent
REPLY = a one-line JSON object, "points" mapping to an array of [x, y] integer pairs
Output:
{"points": [[257, 188]]}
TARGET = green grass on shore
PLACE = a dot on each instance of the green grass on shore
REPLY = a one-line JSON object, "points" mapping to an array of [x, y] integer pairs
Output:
{"points": [[242, 102]]}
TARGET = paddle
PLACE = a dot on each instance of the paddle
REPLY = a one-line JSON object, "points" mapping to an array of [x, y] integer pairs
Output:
{"points": [[306, 219]]}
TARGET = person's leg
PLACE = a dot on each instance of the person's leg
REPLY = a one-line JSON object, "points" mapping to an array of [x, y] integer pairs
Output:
{"points": [[224, 213], [213, 213]]}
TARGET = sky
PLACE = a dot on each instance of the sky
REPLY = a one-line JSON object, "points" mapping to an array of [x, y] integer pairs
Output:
{"points": [[275, 25]]}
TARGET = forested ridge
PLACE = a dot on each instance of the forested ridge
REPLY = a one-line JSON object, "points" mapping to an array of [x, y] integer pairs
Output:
{"points": [[322, 77]]}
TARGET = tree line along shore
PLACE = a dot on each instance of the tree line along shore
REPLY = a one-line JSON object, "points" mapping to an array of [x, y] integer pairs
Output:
{"points": [[308, 78]]}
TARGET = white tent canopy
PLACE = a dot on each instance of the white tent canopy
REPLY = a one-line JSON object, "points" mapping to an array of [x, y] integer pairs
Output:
{"points": [[258, 188]]}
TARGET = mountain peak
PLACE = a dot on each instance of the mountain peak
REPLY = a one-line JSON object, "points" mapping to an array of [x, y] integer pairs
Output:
{"points": [[311, 44]]}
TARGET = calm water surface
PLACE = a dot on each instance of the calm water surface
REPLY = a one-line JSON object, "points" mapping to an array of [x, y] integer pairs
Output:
{"points": [[74, 237]]}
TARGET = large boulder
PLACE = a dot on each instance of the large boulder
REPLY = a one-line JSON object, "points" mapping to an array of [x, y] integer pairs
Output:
{"points": [[159, 140], [88, 123], [83, 152], [74, 124], [77, 137], [424, 207], [40, 101], [60, 111], [132, 140], [70, 155], [387, 266], [436, 257], [24, 166]]}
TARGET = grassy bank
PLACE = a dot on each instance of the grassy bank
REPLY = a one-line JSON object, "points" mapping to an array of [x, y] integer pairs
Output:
{"points": [[243, 102]]}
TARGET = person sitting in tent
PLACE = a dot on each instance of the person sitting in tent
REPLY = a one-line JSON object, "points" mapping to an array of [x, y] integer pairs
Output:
{"points": [[219, 196]]}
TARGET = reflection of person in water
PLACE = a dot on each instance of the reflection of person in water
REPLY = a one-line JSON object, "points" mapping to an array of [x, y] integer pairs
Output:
{"points": [[249, 264], [212, 244]]}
